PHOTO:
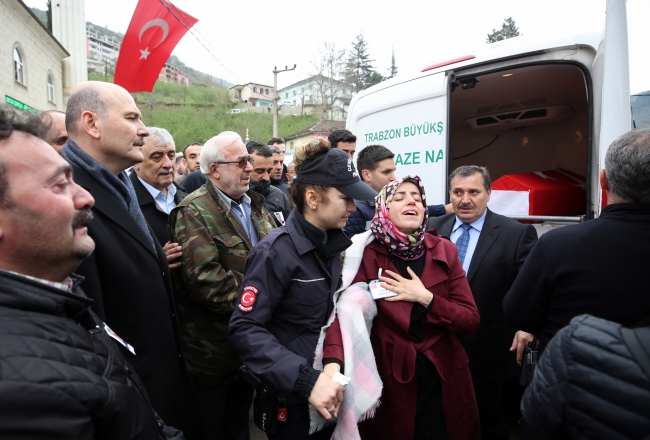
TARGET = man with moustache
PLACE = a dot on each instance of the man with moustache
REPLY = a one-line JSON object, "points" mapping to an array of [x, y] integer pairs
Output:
{"points": [[128, 275], [217, 226], [274, 200], [153, 181], [492, 249], [61, 374]]}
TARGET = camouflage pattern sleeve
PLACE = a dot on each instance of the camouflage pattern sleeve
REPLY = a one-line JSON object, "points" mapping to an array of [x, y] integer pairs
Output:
{"points": [[205, 252]]}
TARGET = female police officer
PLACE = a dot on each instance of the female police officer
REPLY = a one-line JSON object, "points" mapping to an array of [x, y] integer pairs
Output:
{"points": [[291, 276]]}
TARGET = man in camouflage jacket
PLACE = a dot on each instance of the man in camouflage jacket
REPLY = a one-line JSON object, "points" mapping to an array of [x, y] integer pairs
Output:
{"points": [[217, 226]]}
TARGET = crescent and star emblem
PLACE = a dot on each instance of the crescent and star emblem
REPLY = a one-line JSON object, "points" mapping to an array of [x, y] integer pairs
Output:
{"points": [[156, 22], [247, 299]]}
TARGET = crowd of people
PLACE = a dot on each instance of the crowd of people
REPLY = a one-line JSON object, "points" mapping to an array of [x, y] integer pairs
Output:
{"points": [[135, 282]]}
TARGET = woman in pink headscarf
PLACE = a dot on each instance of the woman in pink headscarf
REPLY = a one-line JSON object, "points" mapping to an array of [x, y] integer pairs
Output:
{"points": [[427, 388]]}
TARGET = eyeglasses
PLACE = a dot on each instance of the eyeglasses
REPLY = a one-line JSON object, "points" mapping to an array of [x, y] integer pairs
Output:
{"points": [[241, 163]]}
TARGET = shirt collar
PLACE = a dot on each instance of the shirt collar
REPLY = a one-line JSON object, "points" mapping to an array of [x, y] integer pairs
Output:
{"points": [[65, 285], [228, 201], [171, 190], [478, 224]]}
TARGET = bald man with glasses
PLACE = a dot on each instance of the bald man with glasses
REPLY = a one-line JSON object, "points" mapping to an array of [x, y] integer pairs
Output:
{"points": [[217, 226]]}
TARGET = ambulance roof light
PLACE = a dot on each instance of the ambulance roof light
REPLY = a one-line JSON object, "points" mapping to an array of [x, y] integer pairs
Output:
{"points": [[448, 62]]}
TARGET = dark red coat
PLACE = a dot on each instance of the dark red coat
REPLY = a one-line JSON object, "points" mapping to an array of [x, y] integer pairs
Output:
{"points": [[453, 311]]}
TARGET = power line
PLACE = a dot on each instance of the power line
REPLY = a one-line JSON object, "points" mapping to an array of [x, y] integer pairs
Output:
{"points": [[191, 30], [205, 40], [187, 25]]}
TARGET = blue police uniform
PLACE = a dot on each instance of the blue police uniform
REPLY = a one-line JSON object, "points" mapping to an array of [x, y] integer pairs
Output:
{"points": [[285, 299]]}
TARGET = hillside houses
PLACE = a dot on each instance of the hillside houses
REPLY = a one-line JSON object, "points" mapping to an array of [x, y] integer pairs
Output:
{"points": [[318, 94], [253, 94]]}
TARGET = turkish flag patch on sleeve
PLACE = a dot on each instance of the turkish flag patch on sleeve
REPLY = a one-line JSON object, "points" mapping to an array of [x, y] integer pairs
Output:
{"points": [[247, 299]]}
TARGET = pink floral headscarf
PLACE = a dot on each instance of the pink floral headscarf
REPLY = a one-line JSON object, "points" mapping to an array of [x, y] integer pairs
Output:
{"points": [[403, 246]]}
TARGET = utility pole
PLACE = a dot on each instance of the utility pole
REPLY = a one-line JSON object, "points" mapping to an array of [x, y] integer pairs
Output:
{"points": [[276, 100]]}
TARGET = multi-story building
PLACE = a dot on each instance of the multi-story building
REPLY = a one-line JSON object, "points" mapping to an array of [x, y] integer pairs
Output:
{"points": [[253, 94], [172, 74], [101, 51], [31, 77]]}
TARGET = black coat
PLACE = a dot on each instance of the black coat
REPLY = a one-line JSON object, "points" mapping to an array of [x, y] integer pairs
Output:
{"points": [[599, 267], [156, 217], [277, 204], [588, 385], [193, 181], [61, 375], [130, 283], [500, 253], [276, 337]]}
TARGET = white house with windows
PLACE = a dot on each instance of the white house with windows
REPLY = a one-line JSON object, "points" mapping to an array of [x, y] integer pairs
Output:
{"points": [[34, 78], [253, 94], [38, 71], [318, 94]]}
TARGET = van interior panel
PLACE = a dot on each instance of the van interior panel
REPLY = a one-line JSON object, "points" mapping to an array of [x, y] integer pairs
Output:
{"points": [[521, 120]]}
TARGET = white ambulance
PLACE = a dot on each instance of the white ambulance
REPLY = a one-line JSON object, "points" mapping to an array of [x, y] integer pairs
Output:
{"points": [[516, 106]]}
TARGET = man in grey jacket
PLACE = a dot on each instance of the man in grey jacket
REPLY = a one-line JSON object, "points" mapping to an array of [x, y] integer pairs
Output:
{"points": [[275, 201]]}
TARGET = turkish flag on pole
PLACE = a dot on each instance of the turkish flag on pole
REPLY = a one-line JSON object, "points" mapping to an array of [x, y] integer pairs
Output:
{"points": [[155, 29]]}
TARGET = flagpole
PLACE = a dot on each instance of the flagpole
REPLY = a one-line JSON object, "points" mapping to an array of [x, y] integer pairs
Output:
{"points": [[277, 98]]}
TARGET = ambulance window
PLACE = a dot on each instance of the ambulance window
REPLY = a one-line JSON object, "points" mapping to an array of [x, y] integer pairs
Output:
{"points": [[641, 110]]}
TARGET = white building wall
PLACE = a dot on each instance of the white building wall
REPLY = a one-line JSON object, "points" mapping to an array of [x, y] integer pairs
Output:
{"points": [[69, 27], [40, 56]]}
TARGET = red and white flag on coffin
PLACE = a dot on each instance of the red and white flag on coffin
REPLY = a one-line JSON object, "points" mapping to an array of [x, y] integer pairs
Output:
{"points": [[155, 29]]}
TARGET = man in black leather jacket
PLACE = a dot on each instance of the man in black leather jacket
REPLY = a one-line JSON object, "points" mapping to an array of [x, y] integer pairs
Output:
{"points": [[63, 373], [275, 201]]}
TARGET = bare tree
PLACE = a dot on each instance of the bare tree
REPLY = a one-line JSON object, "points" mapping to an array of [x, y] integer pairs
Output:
{"points": [[327, 74]]}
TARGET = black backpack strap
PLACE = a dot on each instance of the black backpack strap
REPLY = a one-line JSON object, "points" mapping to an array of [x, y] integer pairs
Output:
{"points": [[636, 347]]}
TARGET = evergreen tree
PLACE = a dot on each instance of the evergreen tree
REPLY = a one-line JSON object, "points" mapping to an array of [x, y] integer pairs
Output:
{"points": [[359, 65], [49, 15], [508, 30], [374, 78], [393, 67]]}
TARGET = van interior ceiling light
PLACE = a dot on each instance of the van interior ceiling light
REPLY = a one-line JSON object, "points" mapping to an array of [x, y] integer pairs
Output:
{"points": [[507, 74]]}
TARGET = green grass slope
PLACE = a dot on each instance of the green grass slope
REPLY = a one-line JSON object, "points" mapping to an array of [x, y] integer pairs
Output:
{"points": [[196, 113]]}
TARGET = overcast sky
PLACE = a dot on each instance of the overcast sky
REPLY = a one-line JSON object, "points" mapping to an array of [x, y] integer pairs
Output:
{"points": [[250, 37]]}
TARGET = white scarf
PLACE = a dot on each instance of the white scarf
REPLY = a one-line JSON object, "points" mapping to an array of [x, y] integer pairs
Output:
{"points": [[356, 310]]}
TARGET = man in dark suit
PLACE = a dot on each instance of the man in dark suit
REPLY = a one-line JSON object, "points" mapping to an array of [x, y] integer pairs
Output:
{"points": [[153, 181], [599, 267], [127, 276], [492, 248]]}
